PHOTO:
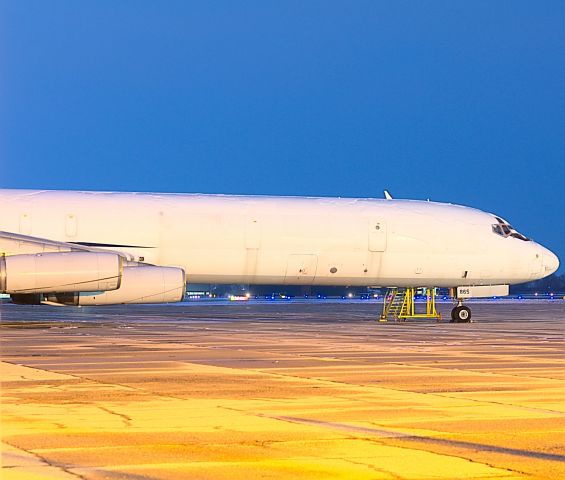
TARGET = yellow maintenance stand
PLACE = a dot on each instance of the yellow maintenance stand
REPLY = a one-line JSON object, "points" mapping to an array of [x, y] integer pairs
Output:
{"points": [[399, 305]]}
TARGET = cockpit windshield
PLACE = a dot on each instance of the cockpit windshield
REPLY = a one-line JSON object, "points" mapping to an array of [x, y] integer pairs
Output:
{"points": [[504, 229]]}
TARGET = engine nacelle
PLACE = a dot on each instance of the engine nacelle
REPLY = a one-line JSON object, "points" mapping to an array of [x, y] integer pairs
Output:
{"points": [[141, 284], [60, 272]]}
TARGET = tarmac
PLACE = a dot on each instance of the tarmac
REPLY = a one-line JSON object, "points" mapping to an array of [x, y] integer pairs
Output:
{"points": [[284, 390]]}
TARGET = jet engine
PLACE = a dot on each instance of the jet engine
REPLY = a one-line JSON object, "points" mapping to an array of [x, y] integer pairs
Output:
{"points": [[60, 272], [87, 278], [140, 284]]}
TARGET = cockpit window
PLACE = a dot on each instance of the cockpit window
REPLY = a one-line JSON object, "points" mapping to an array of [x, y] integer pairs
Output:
{"points": [[504, 229], [520, 236]]}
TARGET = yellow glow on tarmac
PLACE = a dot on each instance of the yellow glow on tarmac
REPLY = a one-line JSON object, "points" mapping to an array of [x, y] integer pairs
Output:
{"points": [[251, 405], [223, 438]]}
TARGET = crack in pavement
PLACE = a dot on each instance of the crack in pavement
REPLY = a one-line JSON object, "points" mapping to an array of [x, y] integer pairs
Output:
{"points": [[125, 419]]}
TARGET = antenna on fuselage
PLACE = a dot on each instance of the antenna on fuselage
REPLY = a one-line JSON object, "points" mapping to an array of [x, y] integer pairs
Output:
{"points": [[388, 196]]}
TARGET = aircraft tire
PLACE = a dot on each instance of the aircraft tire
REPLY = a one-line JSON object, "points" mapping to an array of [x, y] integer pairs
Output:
{"points": [[461, 314]]}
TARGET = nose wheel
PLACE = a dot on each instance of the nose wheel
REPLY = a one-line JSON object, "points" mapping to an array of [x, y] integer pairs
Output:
{"points": [[461, 314]]}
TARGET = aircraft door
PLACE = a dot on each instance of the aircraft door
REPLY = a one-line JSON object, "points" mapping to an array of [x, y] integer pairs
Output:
{"points": [[71, 225], [377, 236], [252, 246], [301, 269], [25, 224]]}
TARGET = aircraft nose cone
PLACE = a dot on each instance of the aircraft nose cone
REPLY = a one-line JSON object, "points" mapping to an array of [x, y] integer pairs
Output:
{"points": [[550, 262]]}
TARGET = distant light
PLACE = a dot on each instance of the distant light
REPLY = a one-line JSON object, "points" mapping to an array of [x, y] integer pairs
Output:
{"points": [[238, 298], [350, 295], [248, 295]]}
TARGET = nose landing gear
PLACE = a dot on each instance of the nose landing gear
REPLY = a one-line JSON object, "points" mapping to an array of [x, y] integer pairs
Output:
{"points": [[461, 313]]}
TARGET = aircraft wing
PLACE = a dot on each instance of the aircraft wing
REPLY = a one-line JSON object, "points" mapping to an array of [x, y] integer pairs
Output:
{"points": [[17, 244]]}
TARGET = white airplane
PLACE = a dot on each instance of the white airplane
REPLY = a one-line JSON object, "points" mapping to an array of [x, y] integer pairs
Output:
{"points": [[100, 248]]}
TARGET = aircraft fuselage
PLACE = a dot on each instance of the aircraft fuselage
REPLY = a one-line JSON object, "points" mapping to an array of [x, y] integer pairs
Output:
{"points": [[285, 240]]}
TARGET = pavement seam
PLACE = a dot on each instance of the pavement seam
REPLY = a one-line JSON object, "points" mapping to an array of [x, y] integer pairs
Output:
{"points": [[353, 385], [45, 460]]}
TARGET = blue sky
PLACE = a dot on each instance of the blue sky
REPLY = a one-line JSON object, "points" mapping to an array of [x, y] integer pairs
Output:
{"points": [[454, 101]]}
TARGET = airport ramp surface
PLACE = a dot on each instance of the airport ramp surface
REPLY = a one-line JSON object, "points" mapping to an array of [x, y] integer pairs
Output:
{"points": [[282, 390]]}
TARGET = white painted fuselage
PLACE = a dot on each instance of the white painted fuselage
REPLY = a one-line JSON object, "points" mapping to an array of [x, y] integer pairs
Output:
{"points": [[285, 240]]}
